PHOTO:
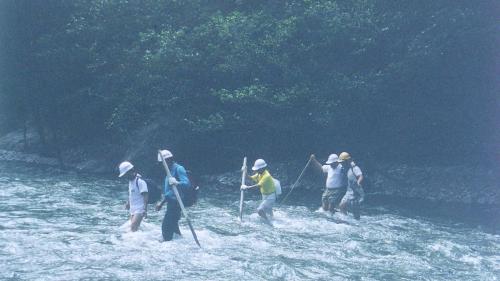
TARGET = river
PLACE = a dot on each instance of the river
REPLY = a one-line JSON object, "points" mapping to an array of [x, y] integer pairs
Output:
{"points": [[59, 225]]}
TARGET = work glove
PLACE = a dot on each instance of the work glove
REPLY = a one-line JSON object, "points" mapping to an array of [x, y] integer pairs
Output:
{"points": [[172, 181], [244, 187]]}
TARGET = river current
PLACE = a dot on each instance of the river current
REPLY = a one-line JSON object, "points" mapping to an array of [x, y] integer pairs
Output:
{"points": [[58, 225]]}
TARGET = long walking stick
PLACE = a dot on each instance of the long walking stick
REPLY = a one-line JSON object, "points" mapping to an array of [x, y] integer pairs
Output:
{"points": [[174, 187], [242, 192], [297, 181]]}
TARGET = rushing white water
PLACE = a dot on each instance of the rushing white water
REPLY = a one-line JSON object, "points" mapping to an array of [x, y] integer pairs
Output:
{"points": [[61, 226]]}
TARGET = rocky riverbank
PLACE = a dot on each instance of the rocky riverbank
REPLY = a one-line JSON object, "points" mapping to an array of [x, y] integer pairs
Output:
{"points": [[15, 147]]}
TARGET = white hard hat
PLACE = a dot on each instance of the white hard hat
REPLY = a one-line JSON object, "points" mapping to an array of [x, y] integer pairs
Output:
{"points": [[165, 154], [124, 168], [259, 164], [332, 158]]}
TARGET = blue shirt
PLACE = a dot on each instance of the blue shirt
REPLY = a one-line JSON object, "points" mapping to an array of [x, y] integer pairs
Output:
{"points": [[180, 174]]}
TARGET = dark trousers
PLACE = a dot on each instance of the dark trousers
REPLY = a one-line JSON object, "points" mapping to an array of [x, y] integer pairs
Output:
{"points": [[171, 219]]}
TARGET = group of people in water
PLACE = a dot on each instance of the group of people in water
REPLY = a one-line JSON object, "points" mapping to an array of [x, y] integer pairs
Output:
{"points": [[138, 194], [343, 189]]}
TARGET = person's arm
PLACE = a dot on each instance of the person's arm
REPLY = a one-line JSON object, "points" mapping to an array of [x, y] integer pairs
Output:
{"points": [[145, 197], [361, 194], [315, 163], [356, 171], [360, 180], [253, 178], [161, 203], [143, 188], [249, 186], [183, 178]]}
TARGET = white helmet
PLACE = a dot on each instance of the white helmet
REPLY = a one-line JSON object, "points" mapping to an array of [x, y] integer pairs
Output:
{"points": [[259, 164], [124, 168], [332, 158], [165, 154]]}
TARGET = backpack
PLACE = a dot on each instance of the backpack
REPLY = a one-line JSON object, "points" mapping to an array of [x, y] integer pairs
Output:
{"points": [[277, 185], [191, 194], [154, 192]]}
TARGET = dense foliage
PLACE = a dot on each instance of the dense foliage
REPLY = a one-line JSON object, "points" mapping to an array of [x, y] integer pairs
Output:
{"points": [[392, 80]]}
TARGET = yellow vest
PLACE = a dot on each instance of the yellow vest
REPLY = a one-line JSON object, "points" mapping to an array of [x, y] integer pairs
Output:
{"points": [[265, 182]]}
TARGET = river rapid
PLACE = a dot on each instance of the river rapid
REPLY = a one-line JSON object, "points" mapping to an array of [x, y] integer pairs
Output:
{"points": [[59, 225]]}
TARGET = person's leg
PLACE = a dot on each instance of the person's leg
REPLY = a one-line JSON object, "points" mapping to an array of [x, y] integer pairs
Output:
{"points": [[331, 199], [270, 213], [324, 201], [135, 222], [270, 202], [177, 217], [262, 213], [168, 226], [343, 206], [355, 209], [335, 198], [265, 206], [261, 209], [177, 229]]}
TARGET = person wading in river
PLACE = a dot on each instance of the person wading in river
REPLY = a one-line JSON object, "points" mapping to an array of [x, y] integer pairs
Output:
{"points": [[336, 182], [137, 203], [265, 182], [170, 224], [355, 194]]}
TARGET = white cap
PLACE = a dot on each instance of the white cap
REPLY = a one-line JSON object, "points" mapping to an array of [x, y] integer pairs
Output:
{"points": [[124, 168], [259, 164], [332, 158], [165, 154]]}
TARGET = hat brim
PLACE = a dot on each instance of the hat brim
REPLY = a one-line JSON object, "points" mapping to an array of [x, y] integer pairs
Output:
{"points": [[124, 173], [328, 162], [258, 168], [166, 158]]}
